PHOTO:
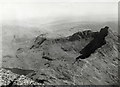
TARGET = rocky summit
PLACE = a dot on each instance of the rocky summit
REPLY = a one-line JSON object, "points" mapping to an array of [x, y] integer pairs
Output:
{"points": [[48, 61]]}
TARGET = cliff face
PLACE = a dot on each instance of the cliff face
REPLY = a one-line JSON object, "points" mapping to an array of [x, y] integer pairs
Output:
{"points": [[52, 60], [97, 42]]}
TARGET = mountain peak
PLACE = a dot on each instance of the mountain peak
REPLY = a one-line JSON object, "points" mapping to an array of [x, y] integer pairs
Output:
{"points": [[52, 59]]}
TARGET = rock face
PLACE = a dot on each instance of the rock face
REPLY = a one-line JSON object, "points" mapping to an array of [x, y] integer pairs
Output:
{"points": [[51, 60], [97, 42]]}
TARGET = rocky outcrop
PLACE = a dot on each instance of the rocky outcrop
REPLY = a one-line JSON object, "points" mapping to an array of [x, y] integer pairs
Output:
{"points": [[38, 41], [97, 42], [9, 79], [81, 35]]}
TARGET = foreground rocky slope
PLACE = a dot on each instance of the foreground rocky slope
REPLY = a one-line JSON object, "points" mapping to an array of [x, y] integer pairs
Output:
{"points": [[52, 60], [8, 78]]}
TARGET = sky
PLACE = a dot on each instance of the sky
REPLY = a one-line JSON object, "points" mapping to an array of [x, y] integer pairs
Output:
{"points": [[36, 9]]}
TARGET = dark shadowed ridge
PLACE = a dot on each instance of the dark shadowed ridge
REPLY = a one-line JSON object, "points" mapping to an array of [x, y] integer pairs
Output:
{"points": [[97, 42]]}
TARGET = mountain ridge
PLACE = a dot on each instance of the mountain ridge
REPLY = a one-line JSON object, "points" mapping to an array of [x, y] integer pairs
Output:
{"points": [[52, 59]]}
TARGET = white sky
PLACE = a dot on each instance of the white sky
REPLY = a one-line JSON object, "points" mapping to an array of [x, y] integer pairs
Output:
{"points": [[27, 9]]}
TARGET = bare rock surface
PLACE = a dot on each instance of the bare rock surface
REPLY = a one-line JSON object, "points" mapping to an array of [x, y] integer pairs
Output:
{"points": [[10, 79], [52, 61]]}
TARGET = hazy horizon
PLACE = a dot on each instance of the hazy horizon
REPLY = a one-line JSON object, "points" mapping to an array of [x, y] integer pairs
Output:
{"points": [[52, 11]]}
